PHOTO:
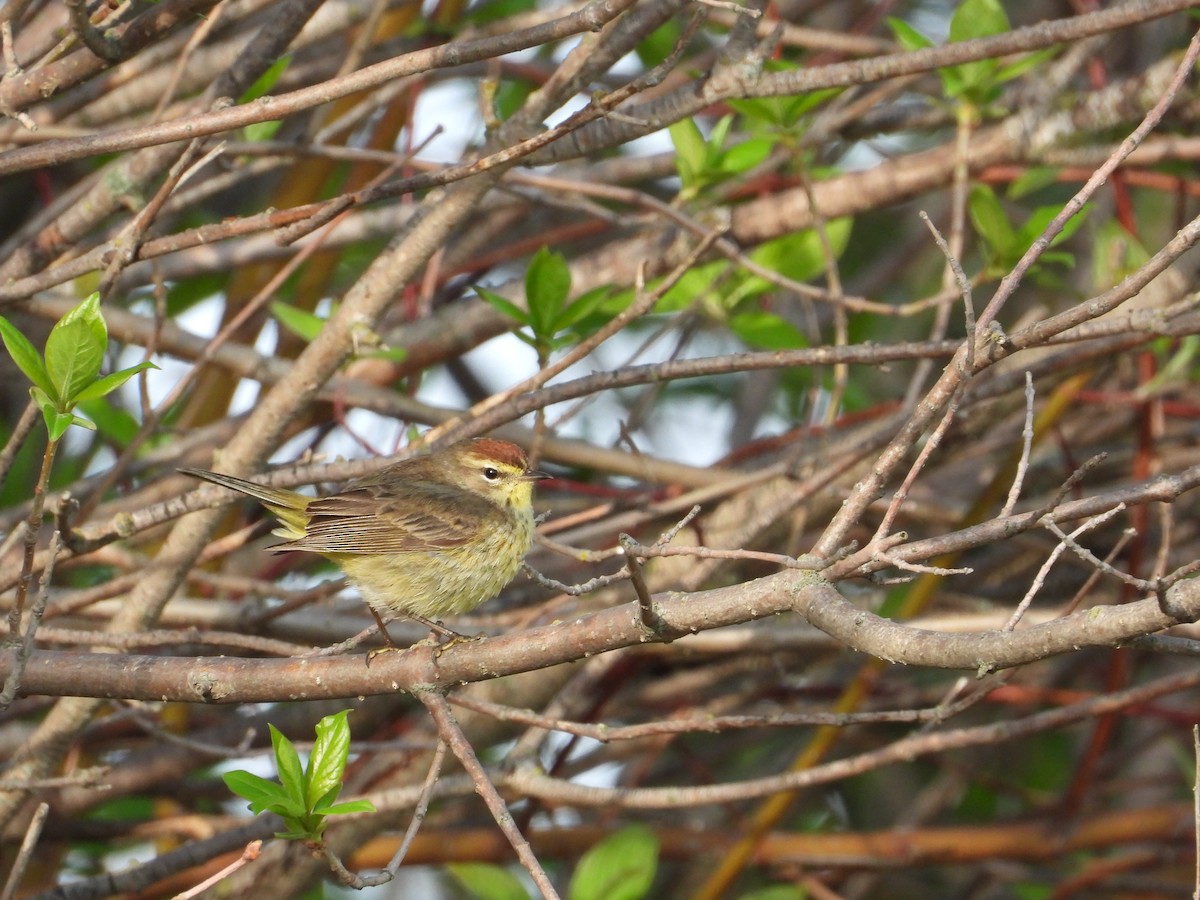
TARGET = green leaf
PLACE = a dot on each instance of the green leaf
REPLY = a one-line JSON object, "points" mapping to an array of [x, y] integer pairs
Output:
{"points": [[486, 13], [503, 306], [621, 867], [547, 286], [1025, 64], [690, 150], [350, 806], [45, 404], [659, 44], [73, 359], [1115, 255], [109, 383], [800, 104], [510, 98], [57, 423], [1032, 179], [767, 331], [487, 882], [257, 132], [327, 763], [267, 79], [800, 256], [990, 221], [298, 321], [25, 355], [758, 109], [1042, 217], [782, 112], [262, 794], [909, 37], [183, 295], [975, 81], [326, 800], [746, 155], [287, 760], [695, 283], [530, 340], [978, 19], [1057, 257], [75, 349], [583, 306], [717, 138]]}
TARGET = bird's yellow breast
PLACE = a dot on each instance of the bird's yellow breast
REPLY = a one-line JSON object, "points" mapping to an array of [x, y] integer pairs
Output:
{"points": [[433, 583]]}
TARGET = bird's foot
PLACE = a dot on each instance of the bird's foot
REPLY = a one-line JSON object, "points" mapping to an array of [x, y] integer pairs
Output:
{"points": [[457, 639]]}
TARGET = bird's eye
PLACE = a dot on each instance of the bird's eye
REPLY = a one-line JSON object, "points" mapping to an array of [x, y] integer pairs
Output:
{"points": [[491, 473]]}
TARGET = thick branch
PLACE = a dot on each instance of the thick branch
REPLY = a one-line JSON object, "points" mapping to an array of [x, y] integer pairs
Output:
{"points": [[228, 680]]}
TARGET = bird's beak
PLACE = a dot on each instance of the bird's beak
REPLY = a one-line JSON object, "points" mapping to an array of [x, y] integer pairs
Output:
{"points": [[535, 475]]}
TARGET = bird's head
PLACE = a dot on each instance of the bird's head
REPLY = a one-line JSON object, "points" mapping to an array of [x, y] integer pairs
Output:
{"points": [[498, 470]]}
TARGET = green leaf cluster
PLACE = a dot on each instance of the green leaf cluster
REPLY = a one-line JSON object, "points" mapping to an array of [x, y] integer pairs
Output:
{"points": [[307, 325], [67, 373], [1005, 244], [975, 84], [553, 320], [620, 867], [702, 163], [782, 115], [729, 294], [305, 796]]}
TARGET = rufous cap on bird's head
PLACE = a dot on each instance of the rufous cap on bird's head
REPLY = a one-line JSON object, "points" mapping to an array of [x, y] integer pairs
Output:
{"points": [[504, 453]]}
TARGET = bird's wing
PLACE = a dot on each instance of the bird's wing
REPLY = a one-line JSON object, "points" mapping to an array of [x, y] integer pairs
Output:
{"points": [[362, 522]]}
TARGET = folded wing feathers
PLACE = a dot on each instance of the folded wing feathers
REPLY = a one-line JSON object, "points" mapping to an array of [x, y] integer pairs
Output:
{"points": [[361, 522]]}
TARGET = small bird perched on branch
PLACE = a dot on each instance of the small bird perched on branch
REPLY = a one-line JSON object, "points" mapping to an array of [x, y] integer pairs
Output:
{"points": [[430, 536]]}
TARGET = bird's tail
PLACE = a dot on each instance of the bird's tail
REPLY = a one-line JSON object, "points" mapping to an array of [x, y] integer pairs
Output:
{"points": [[287, 506]]}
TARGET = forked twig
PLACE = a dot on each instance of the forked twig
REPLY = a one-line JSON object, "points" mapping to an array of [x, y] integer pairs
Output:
{"points": [[452, 735]]}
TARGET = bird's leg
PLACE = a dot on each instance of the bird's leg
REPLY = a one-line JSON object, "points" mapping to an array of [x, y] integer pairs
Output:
{"points": [[452, 637], [391, 645], [439, 632], [437, 627], [383, 628]]}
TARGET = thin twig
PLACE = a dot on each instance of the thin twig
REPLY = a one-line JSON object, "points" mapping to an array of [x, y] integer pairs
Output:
{"points": [[92, 38], [918, 465], [249, 855], [422, 807], [1094, 575], [920, 569], [25, 854], [37, 609], [450, 732], [1083, 553], [1058, 550], [533, 783], [1196, 803], [808, 563], [16, 438], [650, 620], [709, 724], [1014, 491], [574, 590]]}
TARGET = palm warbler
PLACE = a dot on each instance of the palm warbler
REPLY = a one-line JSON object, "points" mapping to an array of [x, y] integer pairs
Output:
{"points": [[430, 536]]}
